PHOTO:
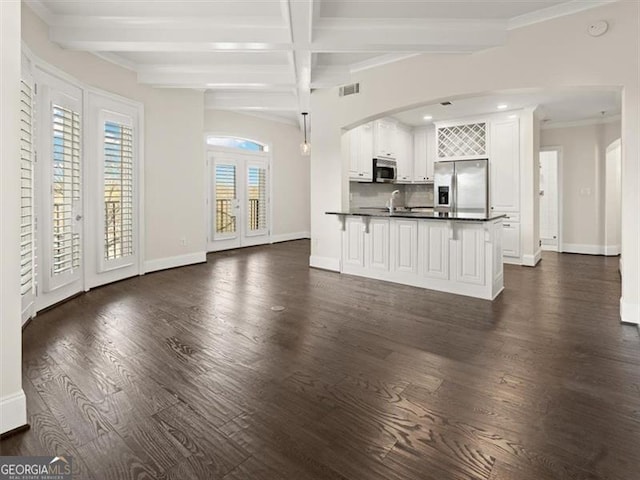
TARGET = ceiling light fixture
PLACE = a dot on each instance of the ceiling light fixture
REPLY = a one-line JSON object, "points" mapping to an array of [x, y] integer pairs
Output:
{"points": [[428, 117], [305, 148], [502, 106], [513, 117]]}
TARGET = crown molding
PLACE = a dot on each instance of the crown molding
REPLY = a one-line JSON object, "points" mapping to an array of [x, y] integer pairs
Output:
{"points": [[555, 11], [581, 123], [117, 60], [40, 9]]}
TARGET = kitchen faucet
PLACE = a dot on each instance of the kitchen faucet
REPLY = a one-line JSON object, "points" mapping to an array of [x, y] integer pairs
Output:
{"points": [[394, 195]]}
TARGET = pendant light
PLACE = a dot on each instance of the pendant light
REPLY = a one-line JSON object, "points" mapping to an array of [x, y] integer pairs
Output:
{"points": [[305, 148]]}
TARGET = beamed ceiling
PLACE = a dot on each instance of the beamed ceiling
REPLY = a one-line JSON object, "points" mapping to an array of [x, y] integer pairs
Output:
{"points": [[266, 55]]}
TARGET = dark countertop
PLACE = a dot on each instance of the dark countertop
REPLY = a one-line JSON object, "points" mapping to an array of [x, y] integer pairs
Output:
{"points": [[460, 217]]}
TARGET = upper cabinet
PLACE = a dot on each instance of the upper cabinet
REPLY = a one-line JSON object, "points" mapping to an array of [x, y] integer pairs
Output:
{"points": [[423, 154], [385, 138], [504, 162], [361, 153], [404, 156]]}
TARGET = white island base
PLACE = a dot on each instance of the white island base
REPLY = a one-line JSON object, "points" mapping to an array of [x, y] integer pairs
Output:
{"points": [[461, 257]]}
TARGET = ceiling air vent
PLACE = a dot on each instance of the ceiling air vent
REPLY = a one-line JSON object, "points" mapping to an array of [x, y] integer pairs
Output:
{"points": [[445, 104], [349, 89]]}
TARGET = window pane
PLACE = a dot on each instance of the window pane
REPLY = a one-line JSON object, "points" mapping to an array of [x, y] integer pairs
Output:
{"points": [[118, 191], [66, 188], [257, 198], [225, 185], [232, 142]]}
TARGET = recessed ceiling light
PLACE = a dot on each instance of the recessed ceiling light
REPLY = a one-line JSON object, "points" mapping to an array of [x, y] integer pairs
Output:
{"points": [[502, 106], [428, 117]]}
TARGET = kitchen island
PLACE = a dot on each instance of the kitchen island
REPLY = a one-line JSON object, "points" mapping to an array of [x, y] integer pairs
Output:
{"points": [[456, 253]]}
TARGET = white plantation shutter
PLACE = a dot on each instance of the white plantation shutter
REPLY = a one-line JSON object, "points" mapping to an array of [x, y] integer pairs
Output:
{"points": [[27, 226], [256, 199], [118, 191], [65, 189], [225, 198]]}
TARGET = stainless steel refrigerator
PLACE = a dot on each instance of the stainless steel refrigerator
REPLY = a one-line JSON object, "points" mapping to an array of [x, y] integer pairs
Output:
{"points": [[461, 187]]}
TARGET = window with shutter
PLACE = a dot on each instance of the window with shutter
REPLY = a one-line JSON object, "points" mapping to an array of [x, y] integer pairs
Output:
{"points": [[118, 191], [225, 195], [27, 227], [65, 189], [257, 199]]}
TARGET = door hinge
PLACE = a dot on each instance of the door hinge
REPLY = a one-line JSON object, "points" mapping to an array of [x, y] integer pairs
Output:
{"points": [[35, 88]]}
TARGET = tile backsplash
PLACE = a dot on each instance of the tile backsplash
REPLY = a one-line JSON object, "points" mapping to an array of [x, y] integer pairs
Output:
{"points": [[378, 194]]}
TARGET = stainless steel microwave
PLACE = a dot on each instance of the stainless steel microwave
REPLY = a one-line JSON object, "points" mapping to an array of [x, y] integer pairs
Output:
{"points": [[384, 170]]}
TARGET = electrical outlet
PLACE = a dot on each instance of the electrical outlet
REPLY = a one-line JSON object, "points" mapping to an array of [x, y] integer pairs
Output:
{"points": [[183, 241]]}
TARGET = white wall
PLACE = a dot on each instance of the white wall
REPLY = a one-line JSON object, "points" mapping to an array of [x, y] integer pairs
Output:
{"points": [[12, 401], [554, 54], [289, 169], [613, 179], [583, 183], [174, 158]]}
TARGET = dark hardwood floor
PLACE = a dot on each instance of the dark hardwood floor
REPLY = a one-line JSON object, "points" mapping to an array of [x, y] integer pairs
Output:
{"points": [[189, 374]]}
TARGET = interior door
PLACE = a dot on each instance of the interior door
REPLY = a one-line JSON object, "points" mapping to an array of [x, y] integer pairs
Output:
{"points": [[239, 200], [549, 200], [59, 206]]}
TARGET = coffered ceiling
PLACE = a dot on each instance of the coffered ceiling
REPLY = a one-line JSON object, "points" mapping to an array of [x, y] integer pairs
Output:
{"points": [[267, 55]]}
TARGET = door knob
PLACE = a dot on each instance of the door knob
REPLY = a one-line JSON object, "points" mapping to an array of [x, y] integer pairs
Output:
{"points": [[78, 217]]}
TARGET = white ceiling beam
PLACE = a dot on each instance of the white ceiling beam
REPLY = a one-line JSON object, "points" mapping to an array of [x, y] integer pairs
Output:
{"points": [[252, 101], [217, 76], [300, 22], [154, 38], [337, 35]]}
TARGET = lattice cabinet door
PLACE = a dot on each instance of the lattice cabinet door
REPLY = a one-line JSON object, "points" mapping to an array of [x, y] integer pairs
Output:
{"points": [[462, 141]]}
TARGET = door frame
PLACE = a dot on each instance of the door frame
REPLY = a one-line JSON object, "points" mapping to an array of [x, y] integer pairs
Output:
{"points": [[558, 150], [612, 249], [210, 152]]}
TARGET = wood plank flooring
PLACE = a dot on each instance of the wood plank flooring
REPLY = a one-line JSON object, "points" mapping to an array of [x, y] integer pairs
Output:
{"points": [[189, 374]]}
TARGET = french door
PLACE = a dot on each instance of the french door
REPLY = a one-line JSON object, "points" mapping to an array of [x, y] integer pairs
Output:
{"points": [[239, 209], [59, 191]]}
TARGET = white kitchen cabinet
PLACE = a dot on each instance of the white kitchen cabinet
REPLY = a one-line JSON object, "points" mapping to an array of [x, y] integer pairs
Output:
{"points": [[404, 240], [404, 156], [361, 153], [377, 245], [471, 257], [353, 242], [384, 138], [510, 239], [433, 246], [504, 164], [424, 152], [458, 257]]}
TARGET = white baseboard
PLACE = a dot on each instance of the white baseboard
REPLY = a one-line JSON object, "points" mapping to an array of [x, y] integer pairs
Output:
{"points": [[13, 411], [325, 263], [629, 312], [583, 248], [532, 260], [512, 261], [286, 237], [172, 262], [612, 250]]}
